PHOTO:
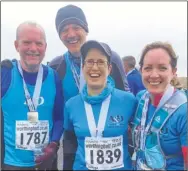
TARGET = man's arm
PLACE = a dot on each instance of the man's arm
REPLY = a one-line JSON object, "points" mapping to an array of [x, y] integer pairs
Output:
{"points": [[182, 131], [69, 149], [118, 73], [6, 67], [46, 160], [58, 117]]}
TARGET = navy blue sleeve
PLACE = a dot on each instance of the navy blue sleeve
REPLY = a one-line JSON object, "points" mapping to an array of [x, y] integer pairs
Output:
{"points": [[58, 114], [118, 73], [5, 80], [132, 86], [5, 83], [135, 83]]}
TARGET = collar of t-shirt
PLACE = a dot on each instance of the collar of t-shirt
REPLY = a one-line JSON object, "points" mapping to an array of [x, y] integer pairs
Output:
{"points": [[76, 60], [30, 77]]}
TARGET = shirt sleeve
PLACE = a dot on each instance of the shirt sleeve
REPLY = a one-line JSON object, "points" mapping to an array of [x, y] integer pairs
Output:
{"points": [[182, 124], [5, 80], [131, 84], [182, 129], [58, 116]]}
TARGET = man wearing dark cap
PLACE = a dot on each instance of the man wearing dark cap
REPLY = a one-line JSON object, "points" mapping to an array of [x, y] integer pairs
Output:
{"points": [[72, 28]]}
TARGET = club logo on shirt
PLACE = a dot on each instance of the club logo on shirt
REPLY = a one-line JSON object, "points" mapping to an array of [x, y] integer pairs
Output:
{"points": [[158, 119], [116, 120], [40, 101]]}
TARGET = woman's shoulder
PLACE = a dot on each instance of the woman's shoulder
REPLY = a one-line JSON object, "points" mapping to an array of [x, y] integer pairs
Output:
{"points": [[124, 100], [140, 94], [123, 94], [182, 110], [74, 101], [179, 117]]}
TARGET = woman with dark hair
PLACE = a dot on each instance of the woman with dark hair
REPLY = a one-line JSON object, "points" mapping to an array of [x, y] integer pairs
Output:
{"points": [[99, 115]]}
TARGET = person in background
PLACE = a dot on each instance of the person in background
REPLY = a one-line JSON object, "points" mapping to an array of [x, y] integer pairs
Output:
{"points": [[100, 118], [176, 83], [72, 28], [133, 75], [160, 124], [31, 104]]}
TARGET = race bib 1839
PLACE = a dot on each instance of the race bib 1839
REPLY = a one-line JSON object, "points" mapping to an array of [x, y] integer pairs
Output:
{"points": [[104, 153], [31, 135]]}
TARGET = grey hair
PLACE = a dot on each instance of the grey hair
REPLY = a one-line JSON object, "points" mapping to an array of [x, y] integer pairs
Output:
{"points": [[29, 23], [131, 62]]}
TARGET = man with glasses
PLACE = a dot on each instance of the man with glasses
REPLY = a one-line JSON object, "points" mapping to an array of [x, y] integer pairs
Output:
{"points": [[100, 119], [72, 28]]}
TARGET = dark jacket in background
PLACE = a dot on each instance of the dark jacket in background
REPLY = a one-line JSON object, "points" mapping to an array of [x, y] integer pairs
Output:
{"points": [[135, 81]]}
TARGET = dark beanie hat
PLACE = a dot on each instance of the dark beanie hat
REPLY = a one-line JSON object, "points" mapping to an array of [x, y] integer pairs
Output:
{"points": [[103, 47], [70, 14]]}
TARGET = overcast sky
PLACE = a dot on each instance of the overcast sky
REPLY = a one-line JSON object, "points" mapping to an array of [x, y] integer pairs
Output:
{"points": [[126, 26]]}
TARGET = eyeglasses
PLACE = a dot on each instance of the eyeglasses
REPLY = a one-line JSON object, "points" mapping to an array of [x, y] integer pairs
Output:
{"points": [[100, 63]]}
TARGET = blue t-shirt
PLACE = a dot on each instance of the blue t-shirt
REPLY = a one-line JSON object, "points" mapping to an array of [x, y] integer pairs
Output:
{"points": [[122, 106], [173, 135]]}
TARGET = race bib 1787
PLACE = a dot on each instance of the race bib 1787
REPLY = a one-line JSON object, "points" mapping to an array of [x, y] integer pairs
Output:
{"points": [[31, 135], [104, 153]]}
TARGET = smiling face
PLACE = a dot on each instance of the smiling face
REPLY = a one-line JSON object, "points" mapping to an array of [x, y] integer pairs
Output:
{"points": [[73, 37], [157, 71], [31, 46], [96, 75]]}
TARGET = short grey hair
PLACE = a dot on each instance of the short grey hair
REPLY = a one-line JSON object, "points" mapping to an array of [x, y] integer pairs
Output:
{"points": [[29, 23], [131, 62]]}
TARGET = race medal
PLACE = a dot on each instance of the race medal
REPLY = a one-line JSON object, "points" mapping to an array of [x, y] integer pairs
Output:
{"points": [[32, 116], [31, 135], [104, 153]]}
